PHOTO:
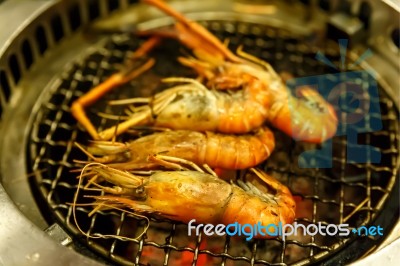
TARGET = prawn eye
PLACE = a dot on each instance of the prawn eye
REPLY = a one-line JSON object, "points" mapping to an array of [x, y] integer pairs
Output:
{"points": [[140, 192]]}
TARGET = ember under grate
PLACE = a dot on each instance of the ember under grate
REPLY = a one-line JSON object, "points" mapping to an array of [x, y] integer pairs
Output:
{"points": [[326, 196]]}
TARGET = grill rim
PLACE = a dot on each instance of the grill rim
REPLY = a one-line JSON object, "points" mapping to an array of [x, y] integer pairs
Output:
{"points": [[11, 110], [359, 247]]}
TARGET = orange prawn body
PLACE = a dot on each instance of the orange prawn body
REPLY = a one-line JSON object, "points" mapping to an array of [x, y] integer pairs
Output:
{"points": [[213, 149], [237, 112], [306, 117], [194, 107], [186, 195], [309, 118]]}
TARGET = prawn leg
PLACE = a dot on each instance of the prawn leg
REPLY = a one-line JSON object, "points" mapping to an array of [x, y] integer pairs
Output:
{"points": [[282, 196], [272, 182], [108, 150], [117, 79], [173, 162]]}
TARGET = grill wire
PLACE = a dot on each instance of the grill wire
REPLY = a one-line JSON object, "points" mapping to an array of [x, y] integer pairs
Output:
{"points": [[324, 195]]}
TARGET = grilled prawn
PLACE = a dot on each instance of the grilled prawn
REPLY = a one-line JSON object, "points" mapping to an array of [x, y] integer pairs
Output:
{"points": [[306, 116], [213, 149], [194, 194], [257, 93], [192, 106]]}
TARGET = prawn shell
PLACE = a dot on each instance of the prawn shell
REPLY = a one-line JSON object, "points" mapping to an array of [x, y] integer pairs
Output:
{"points": [[185, 195], [214, 149], [245, 208], [191, 110], [188, 195]]}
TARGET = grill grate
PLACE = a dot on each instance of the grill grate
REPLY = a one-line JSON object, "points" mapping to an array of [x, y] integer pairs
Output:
{"points": [[325, 195]]}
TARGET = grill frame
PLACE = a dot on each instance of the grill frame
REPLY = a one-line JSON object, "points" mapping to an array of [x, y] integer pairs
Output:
{"points": [[51, 49]]}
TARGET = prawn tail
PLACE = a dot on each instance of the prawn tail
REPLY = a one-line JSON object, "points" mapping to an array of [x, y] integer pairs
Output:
{"points": [[309, 118]]}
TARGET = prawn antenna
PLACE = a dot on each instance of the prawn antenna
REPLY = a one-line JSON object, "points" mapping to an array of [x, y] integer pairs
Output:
{"points": [[151, 105], [209, 170], [114, 138], [256, 60], [137, 100], [85, 152], [100, 205], [112, 117], [185, 80]]}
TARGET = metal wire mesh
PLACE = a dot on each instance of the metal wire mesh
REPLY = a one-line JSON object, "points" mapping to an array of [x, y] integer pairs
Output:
{"points": [[349, 191]]}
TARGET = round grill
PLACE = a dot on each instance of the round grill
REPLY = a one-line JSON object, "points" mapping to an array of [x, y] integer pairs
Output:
{"points": [[349, 192]]}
